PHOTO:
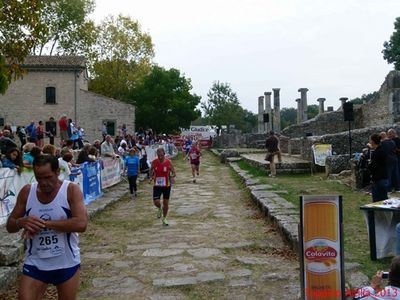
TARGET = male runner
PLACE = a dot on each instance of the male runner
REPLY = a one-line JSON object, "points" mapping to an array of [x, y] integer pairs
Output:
{"points": [[50, 212], [194, 157], [161, 172]]}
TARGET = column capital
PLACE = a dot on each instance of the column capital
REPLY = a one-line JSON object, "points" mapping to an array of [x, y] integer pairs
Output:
{"points": [[260, 97], [343, 99], [302, 90], [267, 93], [276, 89], [298, 100], [321, 99]]}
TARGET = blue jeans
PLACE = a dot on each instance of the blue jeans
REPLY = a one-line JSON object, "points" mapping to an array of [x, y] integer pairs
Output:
{"points": [[379, 190]]}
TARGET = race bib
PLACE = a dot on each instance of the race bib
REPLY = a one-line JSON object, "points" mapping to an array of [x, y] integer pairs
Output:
{"points": [[193, 156], [50, 244], [160, 181]]}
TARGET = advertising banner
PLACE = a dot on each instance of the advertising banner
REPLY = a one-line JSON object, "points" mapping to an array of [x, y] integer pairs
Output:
{"points": [[321, 152], [321, 240], [111, 172], [91, 181]]}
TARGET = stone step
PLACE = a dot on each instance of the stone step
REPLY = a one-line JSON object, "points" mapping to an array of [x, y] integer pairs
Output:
{"points": [[8, 275], [11, 247]]}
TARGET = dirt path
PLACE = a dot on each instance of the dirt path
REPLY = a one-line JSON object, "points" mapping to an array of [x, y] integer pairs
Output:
{"points": [[216, 247]]}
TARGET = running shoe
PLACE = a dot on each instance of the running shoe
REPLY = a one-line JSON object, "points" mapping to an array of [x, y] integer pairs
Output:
{"points": [[194, 180], [159, 212], [165, 222]]}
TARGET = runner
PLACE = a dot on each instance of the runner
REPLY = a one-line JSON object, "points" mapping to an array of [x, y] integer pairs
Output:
{"points": [[194, 157], [50, 212], [161, 172]]}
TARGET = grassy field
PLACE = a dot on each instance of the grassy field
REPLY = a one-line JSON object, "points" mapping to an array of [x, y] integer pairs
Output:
{"points": [[356, 245]]}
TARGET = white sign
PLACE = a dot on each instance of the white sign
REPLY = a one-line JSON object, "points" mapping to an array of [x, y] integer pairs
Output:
{"points": [[202, 132]]}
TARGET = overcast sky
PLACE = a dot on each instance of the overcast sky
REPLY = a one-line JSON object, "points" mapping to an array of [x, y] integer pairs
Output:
{"points": [[331, 47]]}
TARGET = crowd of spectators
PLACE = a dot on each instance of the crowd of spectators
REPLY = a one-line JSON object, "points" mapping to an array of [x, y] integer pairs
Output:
{"points": [[19, 148]]}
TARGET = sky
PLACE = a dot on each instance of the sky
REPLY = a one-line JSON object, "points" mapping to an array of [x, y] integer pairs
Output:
{"points": [[331, 47]]}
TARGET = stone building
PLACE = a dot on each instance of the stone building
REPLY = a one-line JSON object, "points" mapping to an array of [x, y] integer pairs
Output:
{"points": [[57, 85]]}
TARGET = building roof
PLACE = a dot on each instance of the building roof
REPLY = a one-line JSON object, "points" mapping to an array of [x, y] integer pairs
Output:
{"points": [[54, 62]]}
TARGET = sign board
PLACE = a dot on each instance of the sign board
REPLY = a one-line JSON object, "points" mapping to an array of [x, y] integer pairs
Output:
{"points": [[321, 242], [199, 132], [321, 152]]}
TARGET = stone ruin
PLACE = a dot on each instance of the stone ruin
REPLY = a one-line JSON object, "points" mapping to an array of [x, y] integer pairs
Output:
{"points": [[328, 126]]}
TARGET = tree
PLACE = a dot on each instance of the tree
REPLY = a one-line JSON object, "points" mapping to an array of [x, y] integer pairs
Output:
{"points": [[391, 49], [250, 120], [122, 57], [312, 111], [365, 98], [223, 107], [20, 29], [288, 117], [65, 20], [164, 102]]}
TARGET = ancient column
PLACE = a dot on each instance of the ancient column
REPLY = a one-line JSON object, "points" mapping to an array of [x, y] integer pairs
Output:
{"points": [[303, 96], [343, 100], [260, 114], [299, 120], [267, 110], [277, 111], [321, 105]]}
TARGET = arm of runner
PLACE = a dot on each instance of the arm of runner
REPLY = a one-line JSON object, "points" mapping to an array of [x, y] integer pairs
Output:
{"points": [[151, 173], [173, 171], [17, 220], [79, 219]]}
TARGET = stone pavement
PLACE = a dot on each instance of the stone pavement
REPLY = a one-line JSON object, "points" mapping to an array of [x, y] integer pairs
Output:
{"points": [[218, 245]]}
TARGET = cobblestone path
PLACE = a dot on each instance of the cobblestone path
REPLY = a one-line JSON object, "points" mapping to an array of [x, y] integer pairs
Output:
{"points": [[217, 246]]}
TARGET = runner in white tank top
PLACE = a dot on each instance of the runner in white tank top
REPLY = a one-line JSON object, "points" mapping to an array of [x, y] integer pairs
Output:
{"points": [[51, 213]]}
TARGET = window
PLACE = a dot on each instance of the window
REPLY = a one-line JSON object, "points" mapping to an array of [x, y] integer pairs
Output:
{"points": [[50, 95], [110, 125], [1, 121]]}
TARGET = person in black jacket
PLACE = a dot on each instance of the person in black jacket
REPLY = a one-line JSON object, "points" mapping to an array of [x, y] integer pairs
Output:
{"points": [[377, 168]]}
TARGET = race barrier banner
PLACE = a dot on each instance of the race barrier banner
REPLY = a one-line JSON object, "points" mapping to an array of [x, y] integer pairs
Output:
{"points": [[88, 177], [111, 172]]}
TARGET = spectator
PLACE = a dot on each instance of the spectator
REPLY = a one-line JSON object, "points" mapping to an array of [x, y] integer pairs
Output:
{"points": [[272, 145], [40, 134], [83, 155], [6, 143], [13, 160], [123, 148], [107, 149], [63, 125], [65, 164], [389, 147], [93, 153], [30, 156], [51, 130], [31, 132], [377, 167], [376, 291], [21, 135], [144, 165], [49, 149]]}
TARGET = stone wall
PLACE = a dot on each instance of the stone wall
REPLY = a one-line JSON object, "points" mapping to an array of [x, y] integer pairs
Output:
{"points": [[25, 99]]}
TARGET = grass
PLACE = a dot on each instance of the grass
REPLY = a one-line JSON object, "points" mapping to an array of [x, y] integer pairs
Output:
{"points": [[356, 244]]}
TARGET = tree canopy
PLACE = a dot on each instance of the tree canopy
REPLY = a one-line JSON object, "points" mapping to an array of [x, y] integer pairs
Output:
{"points": [[391, 48], [122, 57], [20, 29], [222, 106], [164, 102]]}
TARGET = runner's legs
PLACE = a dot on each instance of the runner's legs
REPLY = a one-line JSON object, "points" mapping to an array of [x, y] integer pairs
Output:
{"points": [[31, 288]]}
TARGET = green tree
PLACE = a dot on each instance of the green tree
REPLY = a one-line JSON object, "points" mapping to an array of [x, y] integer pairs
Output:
{"points": [[365, 98], [391, 49], [65, 21], [288, 117], [250, 121], [312, 111], [122, 57], [20, 29], [164, 102], [223, 106]]}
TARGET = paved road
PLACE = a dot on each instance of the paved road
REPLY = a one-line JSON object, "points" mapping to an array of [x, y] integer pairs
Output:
{"points": [[217, 246]]}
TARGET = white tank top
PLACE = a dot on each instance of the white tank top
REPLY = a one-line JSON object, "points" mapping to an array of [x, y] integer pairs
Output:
{"points": [[49, 249]]}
